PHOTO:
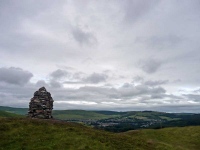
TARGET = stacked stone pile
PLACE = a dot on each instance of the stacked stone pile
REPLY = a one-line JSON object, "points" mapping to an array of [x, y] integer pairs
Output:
{"points": [[41, 105]]}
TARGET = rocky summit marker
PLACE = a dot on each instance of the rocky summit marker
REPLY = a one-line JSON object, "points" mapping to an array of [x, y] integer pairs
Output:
{"points": [[41, 104]]}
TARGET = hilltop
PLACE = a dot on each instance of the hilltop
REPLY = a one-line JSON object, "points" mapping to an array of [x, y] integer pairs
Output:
{"points": [[51, 134]]}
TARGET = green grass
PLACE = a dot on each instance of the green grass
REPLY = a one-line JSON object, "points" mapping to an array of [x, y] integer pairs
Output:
{"points": [[32, 134], [79, 114], [20, 111], [183, 138], [8, 114], [168, 118]]}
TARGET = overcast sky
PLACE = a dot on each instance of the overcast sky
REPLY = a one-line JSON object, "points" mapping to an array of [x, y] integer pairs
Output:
{"points": [[102, 55]]}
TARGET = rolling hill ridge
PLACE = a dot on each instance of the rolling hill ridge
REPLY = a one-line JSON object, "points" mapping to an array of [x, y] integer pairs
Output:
{"points": [[119, 121]]}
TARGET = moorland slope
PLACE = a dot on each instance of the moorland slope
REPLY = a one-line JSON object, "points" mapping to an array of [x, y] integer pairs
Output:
{"points": [[31, 134]]}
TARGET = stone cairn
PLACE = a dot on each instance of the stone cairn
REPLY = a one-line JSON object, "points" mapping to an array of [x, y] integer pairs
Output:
{"points": [[41, 104]]}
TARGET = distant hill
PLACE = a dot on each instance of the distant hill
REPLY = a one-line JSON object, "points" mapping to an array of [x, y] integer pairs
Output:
{"points": [[20, 111], [82, 114], [51, 134], [97, 115], [120, 121], [8, 114]]}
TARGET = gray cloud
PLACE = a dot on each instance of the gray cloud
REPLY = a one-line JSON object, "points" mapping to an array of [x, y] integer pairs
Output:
{"points": [[193, 97], [138, 8], [58, 74], [196, 90], [96, 78], [150, 65], [15, 76], [138, 79], [155, 83], [57, 77], [78, 75], [55, 84], [84, 37], [157, 96], [99, 43], [41, 83], [128, 90], [162, 42], [89, 97], [99, 94]]}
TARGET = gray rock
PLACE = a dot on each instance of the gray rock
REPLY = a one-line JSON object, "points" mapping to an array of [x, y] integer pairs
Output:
{"points": [[41, 105]]}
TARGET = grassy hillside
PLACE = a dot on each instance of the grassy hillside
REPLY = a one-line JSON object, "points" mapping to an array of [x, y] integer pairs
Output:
{"points": [[67, 114], [98, 115], [8, 114], [79, 114], [20, 111], [50, 134], [183, 138]]}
